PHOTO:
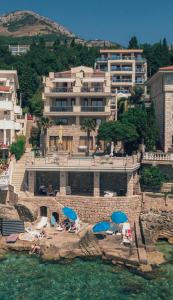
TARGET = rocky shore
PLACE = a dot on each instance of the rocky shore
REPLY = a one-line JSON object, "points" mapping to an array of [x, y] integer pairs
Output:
{"points": [[63, 245]]}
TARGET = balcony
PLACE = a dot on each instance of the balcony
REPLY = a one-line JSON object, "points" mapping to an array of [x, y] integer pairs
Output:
{"points": [[92, 89], [9, 124], [6, 105], [17, 110], [123, 69], [62, 90], [140, 81], [61, 109], [121, 80], [102, 59], [116, 91], [92, 108], [140, 70]]}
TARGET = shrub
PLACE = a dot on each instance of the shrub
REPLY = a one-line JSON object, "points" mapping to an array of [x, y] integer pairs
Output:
{"points": [[18, 148], [153, 177]]}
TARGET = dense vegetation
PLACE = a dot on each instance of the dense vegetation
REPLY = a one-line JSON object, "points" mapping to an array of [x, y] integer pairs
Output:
{"points": [[152, 177], [18, 148]]}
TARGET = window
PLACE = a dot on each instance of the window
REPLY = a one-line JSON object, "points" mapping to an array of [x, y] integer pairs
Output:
{"points": [[169, 79]]}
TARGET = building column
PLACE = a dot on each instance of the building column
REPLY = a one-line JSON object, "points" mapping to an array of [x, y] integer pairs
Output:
{"points": [[63, 183], [5, 137], [96, 184], [129, 184], [31, 181]]}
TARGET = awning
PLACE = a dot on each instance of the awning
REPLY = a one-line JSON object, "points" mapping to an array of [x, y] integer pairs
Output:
{"points": [[95, 79], [64, 80]]}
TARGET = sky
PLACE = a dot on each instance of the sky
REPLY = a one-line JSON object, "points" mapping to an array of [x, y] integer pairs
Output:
{"points": [[115, 20]]}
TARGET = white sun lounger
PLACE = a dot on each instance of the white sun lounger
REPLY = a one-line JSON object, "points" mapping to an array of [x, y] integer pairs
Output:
{"points": [[42, 223]]}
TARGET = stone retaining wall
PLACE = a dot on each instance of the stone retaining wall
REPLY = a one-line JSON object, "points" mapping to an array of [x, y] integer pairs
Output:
{"points": [[157, 201], [89, 209]]}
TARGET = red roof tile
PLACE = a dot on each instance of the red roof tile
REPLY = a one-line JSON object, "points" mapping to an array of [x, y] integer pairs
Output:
{"points": [[169, 68]]}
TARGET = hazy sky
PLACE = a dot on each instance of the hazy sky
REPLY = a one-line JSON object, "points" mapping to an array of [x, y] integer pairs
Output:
{"points": [[115, 20]]}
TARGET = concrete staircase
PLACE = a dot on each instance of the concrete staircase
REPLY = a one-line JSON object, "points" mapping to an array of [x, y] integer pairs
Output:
{"points": [[30, 124], [18, 175]]}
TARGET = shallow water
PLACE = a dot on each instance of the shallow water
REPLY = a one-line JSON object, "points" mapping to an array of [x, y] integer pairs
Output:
{"points": [[25, 277]]}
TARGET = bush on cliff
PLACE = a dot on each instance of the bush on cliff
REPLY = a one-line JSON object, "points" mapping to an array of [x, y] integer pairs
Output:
{"points": [[18, 148], [152, 177]]}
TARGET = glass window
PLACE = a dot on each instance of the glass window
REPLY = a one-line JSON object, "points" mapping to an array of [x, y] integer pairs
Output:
{"points": [[169, 79]]}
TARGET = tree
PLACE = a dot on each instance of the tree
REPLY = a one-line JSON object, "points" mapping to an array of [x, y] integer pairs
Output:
{"points": [[88, 126], [153, 177], [115, 131], [44, 123], [36, 104], [18, 148], [133, 43], [136, 95], [122, 104]]}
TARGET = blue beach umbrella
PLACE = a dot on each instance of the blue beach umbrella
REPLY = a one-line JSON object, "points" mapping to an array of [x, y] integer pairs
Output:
{"points": [[101, 226], [119, 217], [69, 213]]}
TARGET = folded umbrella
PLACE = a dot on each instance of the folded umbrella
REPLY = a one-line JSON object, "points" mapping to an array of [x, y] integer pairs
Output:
{"points": [[69, 213], [119, 217], [101, 226]]}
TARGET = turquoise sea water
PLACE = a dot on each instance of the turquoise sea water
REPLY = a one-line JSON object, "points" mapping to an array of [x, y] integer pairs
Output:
{"points": [[23, 277]]}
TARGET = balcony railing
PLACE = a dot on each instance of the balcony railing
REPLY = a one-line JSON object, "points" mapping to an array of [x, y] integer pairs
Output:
{"points": [[121, 80], [64, 75], [121, 58], [120, 91], [102, 59], [114, 68], [61, 108], [93, 108], [62, 90], [158, 156], [140, 81], [138, 70], [92, 90]]}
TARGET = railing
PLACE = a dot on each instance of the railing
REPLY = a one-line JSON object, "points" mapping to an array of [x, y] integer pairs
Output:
{"points": [[62, 90], [92, 89], [120, 58], [121, 69], [158, 156], [93, 108], [140, 70], [121, 80], [120, 91], [139, 81], [61, 109], [104, 162], [102, 59]]}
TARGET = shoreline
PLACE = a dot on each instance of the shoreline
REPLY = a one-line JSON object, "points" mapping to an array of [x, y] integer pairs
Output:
{"points": [[65, 246]]}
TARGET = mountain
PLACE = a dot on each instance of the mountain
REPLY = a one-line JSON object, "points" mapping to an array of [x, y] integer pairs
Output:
{"points": [[29, 24]]}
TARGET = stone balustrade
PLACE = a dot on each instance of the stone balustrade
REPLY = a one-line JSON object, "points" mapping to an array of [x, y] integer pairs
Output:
{"points": [[158, 156], [86, 163]]}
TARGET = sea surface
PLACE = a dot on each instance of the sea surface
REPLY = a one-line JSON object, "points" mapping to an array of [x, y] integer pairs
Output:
{"points": [[24, 277]]}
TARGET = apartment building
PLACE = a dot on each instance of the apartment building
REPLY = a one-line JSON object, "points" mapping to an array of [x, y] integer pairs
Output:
{"points": [[9, 107], [71, 97], [19, 49], [161, 93], [127, 69]]}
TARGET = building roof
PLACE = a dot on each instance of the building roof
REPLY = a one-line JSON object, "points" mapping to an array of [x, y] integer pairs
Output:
{"points": [[160, 72], [169, 68]]}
